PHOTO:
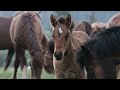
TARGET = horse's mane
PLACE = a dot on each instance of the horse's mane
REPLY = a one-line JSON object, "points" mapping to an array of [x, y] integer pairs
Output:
{"points": [[61, 20], [106, 42]]}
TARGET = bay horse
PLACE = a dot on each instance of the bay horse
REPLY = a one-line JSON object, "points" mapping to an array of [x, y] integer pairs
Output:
{"points": [[114, 21], [65, 45], [26, 34], [84, 26], [101, 54]]}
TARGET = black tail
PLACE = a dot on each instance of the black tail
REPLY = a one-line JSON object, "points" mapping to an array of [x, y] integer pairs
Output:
{"points": [[9, 58]]}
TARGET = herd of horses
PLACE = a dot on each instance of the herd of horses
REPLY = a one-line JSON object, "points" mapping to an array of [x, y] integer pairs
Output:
{"points": [[83, 51]]}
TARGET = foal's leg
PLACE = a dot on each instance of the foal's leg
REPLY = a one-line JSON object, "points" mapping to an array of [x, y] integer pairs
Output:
{"points": [[23, 64], [17, 61], [36, 65], [9, 58]]}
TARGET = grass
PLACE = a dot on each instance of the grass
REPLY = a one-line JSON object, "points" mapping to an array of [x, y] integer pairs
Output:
{"points": [[8, 74]]}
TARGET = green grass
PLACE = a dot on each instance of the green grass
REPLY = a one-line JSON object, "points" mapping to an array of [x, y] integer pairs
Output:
{"points": [[8, 74]]}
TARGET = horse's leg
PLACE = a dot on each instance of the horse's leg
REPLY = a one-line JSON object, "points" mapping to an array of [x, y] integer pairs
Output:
{"points": [[109, 68], [17, 61], [90, 73], [9, 58], [23, 64], [36, 65]]}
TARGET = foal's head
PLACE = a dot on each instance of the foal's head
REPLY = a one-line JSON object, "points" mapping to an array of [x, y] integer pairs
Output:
{"points": [[61, 35]]}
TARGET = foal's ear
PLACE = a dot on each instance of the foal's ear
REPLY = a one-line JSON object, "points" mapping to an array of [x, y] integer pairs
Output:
{"points": [[53, 20], [68, 21]]}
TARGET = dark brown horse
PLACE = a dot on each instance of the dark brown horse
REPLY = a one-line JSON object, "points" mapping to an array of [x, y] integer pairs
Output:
{"points": [[84, 26], [26, 33], [65, 45], [115, 21], [101, 54], [5, 41]]}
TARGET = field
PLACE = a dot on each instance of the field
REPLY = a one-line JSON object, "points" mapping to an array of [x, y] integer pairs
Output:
{"points": [[8, 74]]}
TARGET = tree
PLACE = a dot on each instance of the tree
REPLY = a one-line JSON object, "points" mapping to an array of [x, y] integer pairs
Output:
{"points": [[92, 17], [61, 13]]}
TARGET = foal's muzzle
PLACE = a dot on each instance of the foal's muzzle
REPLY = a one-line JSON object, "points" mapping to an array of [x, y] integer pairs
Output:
{"points": [[58, 55]]}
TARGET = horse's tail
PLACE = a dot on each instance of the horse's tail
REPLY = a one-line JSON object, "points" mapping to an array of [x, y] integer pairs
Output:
{"points": [[9, 58], [32, 40]]}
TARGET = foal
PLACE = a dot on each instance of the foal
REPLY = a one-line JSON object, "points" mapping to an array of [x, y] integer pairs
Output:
{"points": [[65, 44]]}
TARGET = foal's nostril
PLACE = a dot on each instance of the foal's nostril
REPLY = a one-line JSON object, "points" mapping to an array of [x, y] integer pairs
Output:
{"points": [[58, 55]]}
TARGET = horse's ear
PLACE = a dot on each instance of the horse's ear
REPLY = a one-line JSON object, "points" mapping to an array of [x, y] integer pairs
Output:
{"points": [[53, 20], [68, 21]]}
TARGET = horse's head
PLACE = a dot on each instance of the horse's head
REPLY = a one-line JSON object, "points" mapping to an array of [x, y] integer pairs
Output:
{"points": [[85, 59], [61, 35]]}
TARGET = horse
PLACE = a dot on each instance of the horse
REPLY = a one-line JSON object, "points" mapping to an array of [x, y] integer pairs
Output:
{"points": [[114, 21], [26, 34], [5, 41], [101, 54], [48, 57], [84, 26], [65, 45], [98, 26]]}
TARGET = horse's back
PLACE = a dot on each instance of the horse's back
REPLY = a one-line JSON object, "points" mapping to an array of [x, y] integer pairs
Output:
{"points": [[22, 24], [114, 21], [85, 27], [81, 36], [98, 25]]}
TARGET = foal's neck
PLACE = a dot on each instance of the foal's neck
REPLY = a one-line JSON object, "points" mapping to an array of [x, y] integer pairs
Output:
{"points": [[70, 53]]}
